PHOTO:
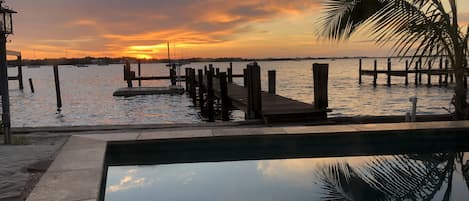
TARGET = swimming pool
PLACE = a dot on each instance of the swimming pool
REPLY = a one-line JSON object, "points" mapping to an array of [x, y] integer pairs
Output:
{"points": [[410, 160], [422, 165]]}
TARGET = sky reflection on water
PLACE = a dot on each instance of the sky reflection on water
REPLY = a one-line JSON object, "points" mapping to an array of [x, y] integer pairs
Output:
{"points": [[399, 177], [87, 94]]}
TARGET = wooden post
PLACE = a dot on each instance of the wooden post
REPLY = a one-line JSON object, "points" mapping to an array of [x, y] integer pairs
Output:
{"points": [[210, 96], [272, 81], [321, 76], [127, 74], [389, 72], [201, 89], [416, 73], [420, 71], [217, 72], [193, 88], [57, 88], [173, 75], [139, 72], [446, 71], [375, 73], [31, 86], [254, 110], [440, 73], [429, 75], [245, 77], [360, 71], [187, 80], [406, 72], [20, 72], [230, 73], [224, 97]]}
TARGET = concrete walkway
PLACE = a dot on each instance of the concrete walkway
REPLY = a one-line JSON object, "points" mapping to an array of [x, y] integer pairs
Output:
{"points": [[22, 165]]}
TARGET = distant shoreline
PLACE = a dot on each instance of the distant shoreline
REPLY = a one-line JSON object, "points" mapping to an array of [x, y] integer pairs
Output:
{"points": [[121, 60]]}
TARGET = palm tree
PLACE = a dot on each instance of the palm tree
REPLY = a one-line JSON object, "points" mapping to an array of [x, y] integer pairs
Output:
{"points": [[418, 27]]}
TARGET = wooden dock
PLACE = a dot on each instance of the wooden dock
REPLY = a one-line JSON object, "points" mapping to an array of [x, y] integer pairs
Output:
{"points": [[216, 94], [444, 74], [268, 106]]}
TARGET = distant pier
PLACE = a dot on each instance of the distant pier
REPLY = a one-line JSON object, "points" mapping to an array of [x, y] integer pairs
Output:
{"points": [[413, 73]]}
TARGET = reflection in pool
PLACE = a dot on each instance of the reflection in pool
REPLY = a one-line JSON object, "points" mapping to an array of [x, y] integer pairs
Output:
{"points": [[442, 176]]}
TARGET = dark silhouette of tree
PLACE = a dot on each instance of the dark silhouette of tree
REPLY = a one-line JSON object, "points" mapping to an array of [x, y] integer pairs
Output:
{"points": [[403, 177], [419, 27]]}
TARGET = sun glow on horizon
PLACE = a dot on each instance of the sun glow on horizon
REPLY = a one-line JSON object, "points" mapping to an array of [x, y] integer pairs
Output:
{"points": [[250, 29]]}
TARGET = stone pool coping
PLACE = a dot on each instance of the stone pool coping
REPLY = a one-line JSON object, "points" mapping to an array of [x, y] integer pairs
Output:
{"points": [[77, 171]]}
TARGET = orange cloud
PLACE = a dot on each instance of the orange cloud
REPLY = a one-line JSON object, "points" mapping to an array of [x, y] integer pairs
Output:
{"points": [[206, 28]]}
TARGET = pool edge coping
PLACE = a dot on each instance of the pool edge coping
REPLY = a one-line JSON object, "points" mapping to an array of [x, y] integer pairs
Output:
{"points": [[77, 171]]}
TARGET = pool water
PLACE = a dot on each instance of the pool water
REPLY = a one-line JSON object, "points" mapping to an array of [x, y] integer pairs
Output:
{"points": [[434, 176]]}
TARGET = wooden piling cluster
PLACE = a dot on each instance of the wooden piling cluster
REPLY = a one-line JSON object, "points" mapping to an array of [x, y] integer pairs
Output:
{"points": [[200, 85], [418, 70], [214, 92]]}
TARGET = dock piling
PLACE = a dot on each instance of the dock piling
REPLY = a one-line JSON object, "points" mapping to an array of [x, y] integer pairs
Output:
{"points": [[57, 88], [139, 72], [127, 74], [186, 73], [360, 71], [375, 73], [429, 75], [31, 86], [389, 72], [245, 78], [224, 97], [20, 72], [406, 72], [446, 72], [188, 81], [416, 73], [172, 74], [230, 73], [420, 71], [254, 91], [210, 95], [201, 89], [440, 75], [272, 81], [320, 76], [193, 88]]}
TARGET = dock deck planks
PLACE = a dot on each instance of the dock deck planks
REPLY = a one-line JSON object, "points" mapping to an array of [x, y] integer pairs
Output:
{"points": [[275, 108]]}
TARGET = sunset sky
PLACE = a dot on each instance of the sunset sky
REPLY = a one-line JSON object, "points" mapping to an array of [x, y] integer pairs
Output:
{"points": [[198, 28]]}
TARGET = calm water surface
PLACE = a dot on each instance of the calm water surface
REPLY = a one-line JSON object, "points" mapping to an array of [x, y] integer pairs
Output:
{"points": [[87, 94], [397, 177]]}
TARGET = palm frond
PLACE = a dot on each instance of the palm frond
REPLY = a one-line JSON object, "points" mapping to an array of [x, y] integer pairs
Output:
{"points": [[405, 177], [342, 17]]}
